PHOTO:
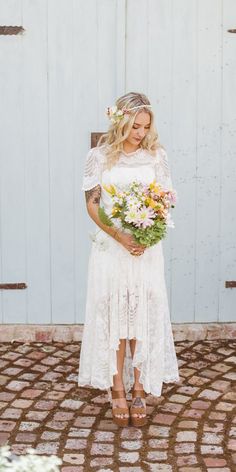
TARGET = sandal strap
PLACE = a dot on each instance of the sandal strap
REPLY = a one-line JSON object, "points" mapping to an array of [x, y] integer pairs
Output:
{"points": [[120, 411], [118, 394], [138, 393], [134, 410]]}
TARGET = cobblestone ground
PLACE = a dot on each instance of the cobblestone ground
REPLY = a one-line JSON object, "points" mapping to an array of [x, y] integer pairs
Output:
{"points": [[191, 427]]}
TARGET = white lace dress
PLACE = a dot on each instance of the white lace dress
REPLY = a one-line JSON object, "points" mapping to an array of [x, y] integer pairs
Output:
{"points": [[126, 294]]}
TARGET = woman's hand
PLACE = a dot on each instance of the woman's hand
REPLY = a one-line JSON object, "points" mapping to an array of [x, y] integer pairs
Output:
{"points": [[128, 241]]}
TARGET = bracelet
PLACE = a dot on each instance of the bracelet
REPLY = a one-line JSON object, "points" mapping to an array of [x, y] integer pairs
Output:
{"points": [[115, 233]]}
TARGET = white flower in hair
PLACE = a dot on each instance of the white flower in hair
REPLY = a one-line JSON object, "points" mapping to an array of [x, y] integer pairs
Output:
{"points": [[115, 114]]}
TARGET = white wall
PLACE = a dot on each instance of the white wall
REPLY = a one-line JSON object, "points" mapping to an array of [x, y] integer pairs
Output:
{"points": [[73, 60]]}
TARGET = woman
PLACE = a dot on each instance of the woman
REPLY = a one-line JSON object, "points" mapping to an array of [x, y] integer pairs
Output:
{"points": [[127, 340]]}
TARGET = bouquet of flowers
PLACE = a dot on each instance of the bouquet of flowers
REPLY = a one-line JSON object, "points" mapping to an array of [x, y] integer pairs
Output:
{"points": [[143, 210]]}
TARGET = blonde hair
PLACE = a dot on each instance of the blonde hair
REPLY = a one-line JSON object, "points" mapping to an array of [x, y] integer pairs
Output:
{"points": [[118, 132]]}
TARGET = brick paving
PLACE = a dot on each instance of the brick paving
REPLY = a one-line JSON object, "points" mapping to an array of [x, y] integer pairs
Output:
{"points": [[191, 427]]}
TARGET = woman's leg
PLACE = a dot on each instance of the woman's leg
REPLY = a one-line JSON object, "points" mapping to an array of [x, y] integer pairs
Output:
{"points": [[138, 401], [118, 378]]}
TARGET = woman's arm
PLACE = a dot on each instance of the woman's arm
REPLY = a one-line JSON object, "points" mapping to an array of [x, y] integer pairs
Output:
{"points": [[92, 202]]}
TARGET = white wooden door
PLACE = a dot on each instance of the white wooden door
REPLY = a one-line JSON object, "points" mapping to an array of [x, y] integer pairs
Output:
{"points": [[182, 56], [73, 60]]}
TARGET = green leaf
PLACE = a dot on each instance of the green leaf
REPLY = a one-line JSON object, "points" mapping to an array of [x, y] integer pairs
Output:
{"points": [[104, 218], [150, 236]]}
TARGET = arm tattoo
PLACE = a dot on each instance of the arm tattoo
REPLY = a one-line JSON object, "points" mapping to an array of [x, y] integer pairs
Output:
{"points": [[94, 194]]}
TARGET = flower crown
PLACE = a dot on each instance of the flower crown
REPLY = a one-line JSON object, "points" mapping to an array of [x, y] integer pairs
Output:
{"points": [[115, 115]]}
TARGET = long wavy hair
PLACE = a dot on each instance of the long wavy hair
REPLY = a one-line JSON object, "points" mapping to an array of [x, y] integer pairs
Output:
{"points": [[118, 132]]}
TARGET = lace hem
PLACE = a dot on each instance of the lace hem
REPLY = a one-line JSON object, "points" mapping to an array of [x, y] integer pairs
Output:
{"points": [[89, 185], [107, 387]]}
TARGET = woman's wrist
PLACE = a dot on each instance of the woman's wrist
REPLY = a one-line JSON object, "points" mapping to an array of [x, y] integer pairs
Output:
{"points": [[117, 235]]}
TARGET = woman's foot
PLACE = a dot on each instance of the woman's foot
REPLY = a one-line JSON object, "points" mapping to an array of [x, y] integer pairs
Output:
{"points": [[138, 406], [119, 401]]}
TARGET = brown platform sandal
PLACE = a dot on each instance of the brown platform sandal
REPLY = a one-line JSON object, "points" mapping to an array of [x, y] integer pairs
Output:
{"points": [[135, 420], [119, 411]]}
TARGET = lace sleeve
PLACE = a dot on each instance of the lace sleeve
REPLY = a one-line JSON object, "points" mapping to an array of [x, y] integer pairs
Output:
{"points": [[162, 170], [92, 170]]}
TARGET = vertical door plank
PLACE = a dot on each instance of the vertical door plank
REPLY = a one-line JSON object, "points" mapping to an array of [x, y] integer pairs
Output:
{"points": [[120, 48], [106, 58], [208, 167], [137, 46], [61, 170], [35, 138], [184, 48], [160, 80], [85, 120], [12, 169], [228, 196]]}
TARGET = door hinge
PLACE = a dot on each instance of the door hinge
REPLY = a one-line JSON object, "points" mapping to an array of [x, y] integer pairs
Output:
{"points": [[11, 286], [10, 30]]}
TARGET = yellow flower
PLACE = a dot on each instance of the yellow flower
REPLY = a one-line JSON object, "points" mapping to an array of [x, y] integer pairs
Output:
{"points": [[150, 202], [110, 189], [115, 210], [154, 187]]}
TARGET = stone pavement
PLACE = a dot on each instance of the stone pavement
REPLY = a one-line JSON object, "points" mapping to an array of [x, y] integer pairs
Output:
{"points": [[191, 427]]}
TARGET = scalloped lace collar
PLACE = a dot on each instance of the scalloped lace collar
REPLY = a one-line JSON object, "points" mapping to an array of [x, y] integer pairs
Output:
{"points": [[127, 154]]}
